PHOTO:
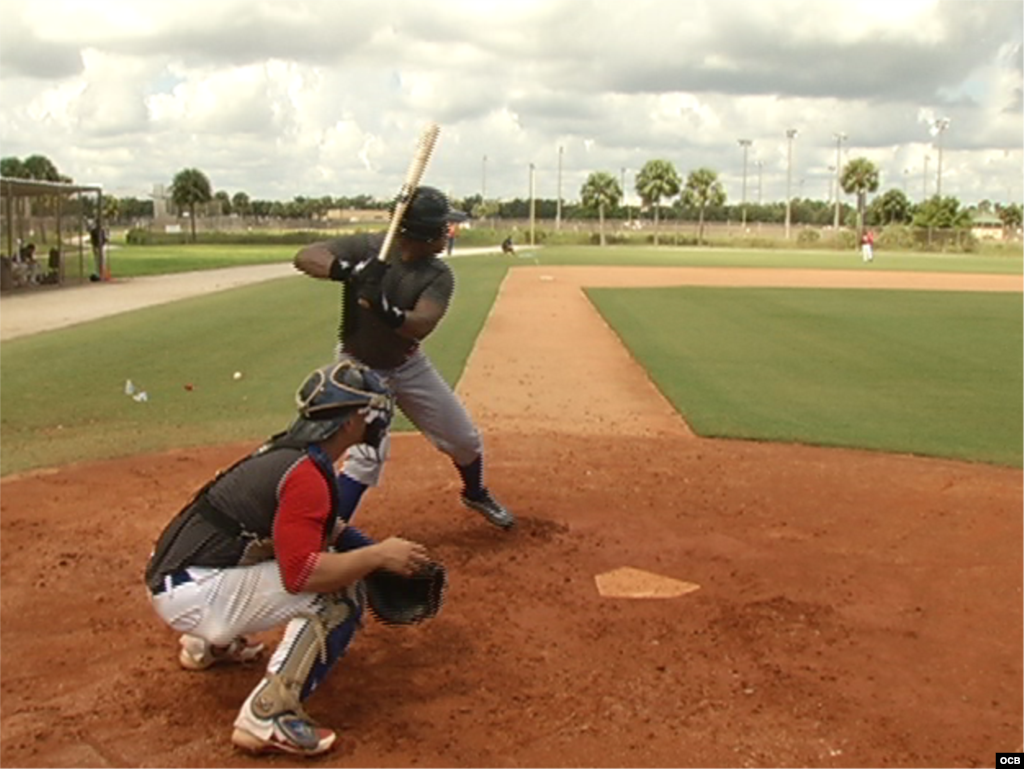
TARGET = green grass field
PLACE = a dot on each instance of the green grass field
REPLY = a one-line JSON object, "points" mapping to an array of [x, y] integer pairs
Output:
{"points": [[62, 392], [670, 256], [904, 371], [932, 373]]}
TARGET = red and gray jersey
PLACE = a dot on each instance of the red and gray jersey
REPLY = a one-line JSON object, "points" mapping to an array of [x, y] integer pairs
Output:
{"points": [[276, 504], [365, 336]]}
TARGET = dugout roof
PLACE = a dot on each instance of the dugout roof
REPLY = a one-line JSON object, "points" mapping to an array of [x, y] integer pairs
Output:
{"points": [[30, 188]]}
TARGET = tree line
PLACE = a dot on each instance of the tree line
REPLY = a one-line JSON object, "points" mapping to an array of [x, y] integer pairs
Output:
{"points": [[663, 193]]}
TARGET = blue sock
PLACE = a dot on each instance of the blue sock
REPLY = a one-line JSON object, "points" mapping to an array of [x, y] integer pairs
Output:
{"points": [[350, 491], [472, 478]]}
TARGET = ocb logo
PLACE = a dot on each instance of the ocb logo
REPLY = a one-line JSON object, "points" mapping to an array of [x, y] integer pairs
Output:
{"points": [[1006, 760]]}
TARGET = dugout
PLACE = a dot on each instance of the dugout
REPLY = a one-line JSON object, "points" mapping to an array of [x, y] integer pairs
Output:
{"points": [[28, 206]]}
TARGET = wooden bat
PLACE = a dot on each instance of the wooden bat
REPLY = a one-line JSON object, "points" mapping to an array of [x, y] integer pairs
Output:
{"points": [[412, 180]]}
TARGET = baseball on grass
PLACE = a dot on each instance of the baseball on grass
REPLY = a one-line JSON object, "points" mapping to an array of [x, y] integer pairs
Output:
{"points": [[237, 375]]}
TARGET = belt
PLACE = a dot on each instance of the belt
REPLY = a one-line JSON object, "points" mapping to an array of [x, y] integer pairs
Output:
{"points": [[172, 580]]}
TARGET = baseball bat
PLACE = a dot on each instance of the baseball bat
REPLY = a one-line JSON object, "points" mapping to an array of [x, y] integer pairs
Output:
{"points": [[412, 180]]}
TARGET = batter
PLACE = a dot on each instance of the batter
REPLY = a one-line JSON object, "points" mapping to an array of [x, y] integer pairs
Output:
{"points": [[388, 308]]}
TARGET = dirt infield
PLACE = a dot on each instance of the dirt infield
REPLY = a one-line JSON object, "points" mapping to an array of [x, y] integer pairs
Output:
{"points": [[855, 609]]}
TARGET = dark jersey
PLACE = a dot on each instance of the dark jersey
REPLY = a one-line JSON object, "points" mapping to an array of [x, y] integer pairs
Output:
{"points": [[364, 335], [282, 502]]}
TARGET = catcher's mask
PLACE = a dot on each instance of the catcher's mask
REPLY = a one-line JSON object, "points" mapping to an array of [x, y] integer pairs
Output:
{"points": [[428, 215], [333, 393]]}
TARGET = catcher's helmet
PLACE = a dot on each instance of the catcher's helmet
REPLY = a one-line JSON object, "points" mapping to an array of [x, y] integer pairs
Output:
{"points": [[427, 215], [330, 394]]}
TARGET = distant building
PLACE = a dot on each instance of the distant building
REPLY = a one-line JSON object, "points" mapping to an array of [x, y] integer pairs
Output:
{"points": [[986, 226]]}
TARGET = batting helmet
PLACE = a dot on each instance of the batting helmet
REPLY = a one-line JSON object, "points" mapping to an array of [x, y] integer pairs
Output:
{"points": [[427, 216], [330, 395]]}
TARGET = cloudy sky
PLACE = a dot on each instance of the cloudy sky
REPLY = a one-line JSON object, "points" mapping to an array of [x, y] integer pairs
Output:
{"points": [[280, 98]]}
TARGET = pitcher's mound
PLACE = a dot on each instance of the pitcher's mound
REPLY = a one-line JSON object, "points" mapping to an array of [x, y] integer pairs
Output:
{"points": [[627, 582]]}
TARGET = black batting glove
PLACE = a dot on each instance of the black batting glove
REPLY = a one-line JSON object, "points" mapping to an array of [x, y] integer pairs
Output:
{"points": [[341, 269], [389, 313], [370, 271]]}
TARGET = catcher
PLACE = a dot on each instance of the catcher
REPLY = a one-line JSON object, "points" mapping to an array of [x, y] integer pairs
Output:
{"points": [[262, 544]]}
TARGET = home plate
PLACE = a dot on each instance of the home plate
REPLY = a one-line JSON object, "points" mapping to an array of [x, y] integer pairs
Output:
{"points": [[547, 277], [627, 582]]}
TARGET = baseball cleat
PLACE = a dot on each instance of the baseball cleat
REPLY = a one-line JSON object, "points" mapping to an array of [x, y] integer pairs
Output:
{"points": [[199, 654], [491, 509], [284, 733]]}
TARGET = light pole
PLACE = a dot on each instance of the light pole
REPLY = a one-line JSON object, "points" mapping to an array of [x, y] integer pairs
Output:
{"points": [[760, 169], [941, 124], [790, 135], [745, 144], [558, 208], [840, 137], [831, 182], [622, 183], [532, 209]]}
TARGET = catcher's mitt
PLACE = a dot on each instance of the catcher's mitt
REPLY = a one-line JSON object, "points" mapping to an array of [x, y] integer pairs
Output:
{"points": [[398, 600]]}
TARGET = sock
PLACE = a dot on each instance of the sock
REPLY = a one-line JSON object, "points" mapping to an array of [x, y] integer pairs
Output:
{"points": [[350, 491], [472, 477]]}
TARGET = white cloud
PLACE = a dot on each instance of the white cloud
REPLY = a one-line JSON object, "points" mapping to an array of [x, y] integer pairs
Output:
{"points": [[311, 97]]}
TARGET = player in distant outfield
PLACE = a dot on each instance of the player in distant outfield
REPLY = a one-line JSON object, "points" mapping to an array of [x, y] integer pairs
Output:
{"points": [[400, 302]]}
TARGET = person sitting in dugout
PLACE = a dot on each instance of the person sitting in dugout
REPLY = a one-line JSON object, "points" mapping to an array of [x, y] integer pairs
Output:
{"points": [[262, 544]]}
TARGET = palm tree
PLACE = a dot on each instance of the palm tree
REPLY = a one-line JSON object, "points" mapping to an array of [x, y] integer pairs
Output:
{"points": [[600, 190], [189, 189], [702, 190], [657, 179], [240, 204], [860, 176]]}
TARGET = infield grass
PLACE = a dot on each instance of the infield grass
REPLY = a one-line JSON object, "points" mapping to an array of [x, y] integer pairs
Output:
{"points": [[921, 372], [62, 392]]}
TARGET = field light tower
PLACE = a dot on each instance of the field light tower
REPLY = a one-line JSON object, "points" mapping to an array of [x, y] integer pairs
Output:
{"points": [[558, 208], [840, 137], [622, 183], [745, 144], [760, 178], [790, 135], [533, 217], [940, 126]]}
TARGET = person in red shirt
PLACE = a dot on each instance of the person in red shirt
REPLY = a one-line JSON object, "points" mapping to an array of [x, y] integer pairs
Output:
{"points": [[264, 544], [867, 242]]}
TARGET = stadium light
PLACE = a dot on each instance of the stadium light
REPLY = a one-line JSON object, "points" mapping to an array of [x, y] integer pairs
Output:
{"points": [[940, 126], [533, 217], [840, 137], [745, 144], [790, 135], [558, 208]]}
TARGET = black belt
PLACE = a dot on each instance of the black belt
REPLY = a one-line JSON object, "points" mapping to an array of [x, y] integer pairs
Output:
{"points": [[172, 580]]}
